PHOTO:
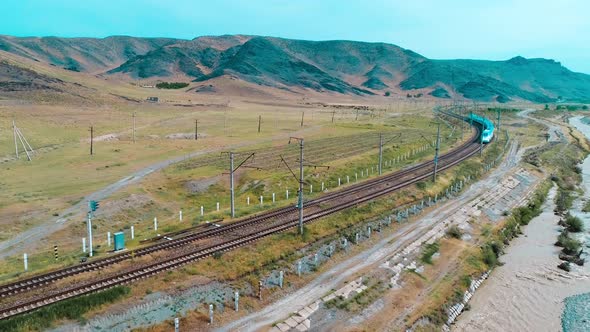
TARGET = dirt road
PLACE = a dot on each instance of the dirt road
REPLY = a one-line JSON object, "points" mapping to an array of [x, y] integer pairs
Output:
{"points": [[385, 248], [18, 243]]}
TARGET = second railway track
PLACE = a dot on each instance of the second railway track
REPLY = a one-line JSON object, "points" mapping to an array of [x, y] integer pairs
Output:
{"points": [[341, 199]]}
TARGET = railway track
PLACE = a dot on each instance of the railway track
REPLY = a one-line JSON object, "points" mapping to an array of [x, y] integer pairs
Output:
{"points": [[342, 199]]}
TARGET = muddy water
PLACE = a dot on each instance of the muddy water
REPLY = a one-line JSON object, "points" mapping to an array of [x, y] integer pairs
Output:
{"points": [[529, 293]]}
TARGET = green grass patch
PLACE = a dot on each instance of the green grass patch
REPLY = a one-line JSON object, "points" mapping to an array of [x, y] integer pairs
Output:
{"points": [[428, 251], [73, 309]]}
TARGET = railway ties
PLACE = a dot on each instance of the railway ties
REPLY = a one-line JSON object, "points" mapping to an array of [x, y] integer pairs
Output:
{"points": [[342, 199]]}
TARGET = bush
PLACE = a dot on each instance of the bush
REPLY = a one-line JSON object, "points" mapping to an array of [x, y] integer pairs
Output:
{"points": [[573, 224], [562, 238], [454, 232], [563, 201], [171, 85], [571, 246], [428, 252], [488, 256]]}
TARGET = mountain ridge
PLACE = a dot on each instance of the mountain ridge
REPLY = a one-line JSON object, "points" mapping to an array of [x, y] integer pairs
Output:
{"points": [[335, 66]]}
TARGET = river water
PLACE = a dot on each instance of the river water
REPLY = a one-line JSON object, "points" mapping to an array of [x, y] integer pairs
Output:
{"points": [[529, 292]]}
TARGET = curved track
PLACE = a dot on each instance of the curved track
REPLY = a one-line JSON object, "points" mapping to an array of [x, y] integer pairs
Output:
{"points": [[239, 233]]}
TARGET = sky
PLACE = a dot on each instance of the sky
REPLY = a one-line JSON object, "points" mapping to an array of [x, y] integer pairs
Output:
{"points": [[438, 29]]}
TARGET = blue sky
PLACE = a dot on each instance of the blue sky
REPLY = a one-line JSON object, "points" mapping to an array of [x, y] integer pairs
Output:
{"points": [[442, 29]]}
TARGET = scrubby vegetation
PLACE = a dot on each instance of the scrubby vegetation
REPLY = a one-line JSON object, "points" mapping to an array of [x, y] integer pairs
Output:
{"points": [[573, 224], [428, 251], [171, 85], [73, 309], [454, 232]]}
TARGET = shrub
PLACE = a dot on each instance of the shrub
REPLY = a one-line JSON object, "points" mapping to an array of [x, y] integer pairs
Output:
{"points": [[571, 246], [428, 252], [562, 238], [171, 85], [454, 232], [573, 224], [488, 256]]}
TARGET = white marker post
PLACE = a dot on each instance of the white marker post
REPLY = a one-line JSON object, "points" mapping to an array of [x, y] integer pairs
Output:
{"points": [[108, 239], [26, 262], [217, 206], [155, 224], [84, 245], [261, 200], [180, 215], [287, 194], [132, 233], [248, 200], [273, 197], [202, 211], [311, 188]]}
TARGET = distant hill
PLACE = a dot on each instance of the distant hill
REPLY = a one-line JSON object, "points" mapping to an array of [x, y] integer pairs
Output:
{"points": [[82, 54], [346, 67]]}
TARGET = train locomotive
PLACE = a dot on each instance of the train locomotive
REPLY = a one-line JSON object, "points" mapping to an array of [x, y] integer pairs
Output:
{"points": [[487, 133]]}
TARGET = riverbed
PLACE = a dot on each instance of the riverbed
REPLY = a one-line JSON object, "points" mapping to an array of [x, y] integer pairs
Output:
{"points": [[529, 292]]}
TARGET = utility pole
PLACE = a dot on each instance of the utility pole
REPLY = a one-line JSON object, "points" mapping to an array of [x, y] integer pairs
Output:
{"points": [[15, 142], [301, 186], [436, 150], [91, 140], [133, 127], [259, 121], [232, 169], [196, 130], [380, 153], [231, 180], [89, 224], [302, 115]]}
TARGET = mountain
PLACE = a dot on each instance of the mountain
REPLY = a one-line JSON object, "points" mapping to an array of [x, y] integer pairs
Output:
{"points": [[82, 54], [344, 67]]}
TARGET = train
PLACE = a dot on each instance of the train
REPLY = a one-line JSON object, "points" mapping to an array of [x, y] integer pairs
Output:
{"points": [[487, 133]]}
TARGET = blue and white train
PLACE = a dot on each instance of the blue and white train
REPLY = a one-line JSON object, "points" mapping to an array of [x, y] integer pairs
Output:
{"points": [[487, 133]]}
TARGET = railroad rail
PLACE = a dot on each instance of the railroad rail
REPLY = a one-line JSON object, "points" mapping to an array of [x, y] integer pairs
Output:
{"points": [[342, 199]]}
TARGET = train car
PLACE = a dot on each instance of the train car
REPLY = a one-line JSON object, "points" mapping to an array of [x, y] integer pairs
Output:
{"points": [[487, 133]]}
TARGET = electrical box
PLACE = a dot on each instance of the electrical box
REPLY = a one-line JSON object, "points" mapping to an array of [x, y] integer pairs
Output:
{"points": [[119, 241]]}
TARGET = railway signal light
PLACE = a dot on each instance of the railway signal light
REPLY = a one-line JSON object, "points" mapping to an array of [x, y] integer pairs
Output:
{"points": [[93, 205]]}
